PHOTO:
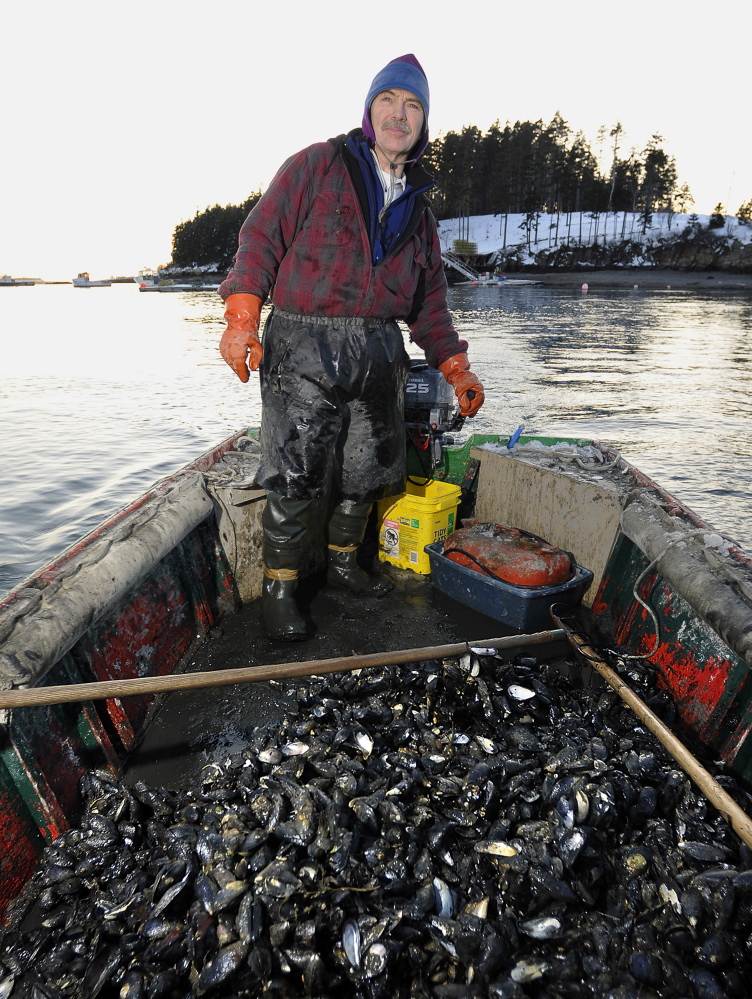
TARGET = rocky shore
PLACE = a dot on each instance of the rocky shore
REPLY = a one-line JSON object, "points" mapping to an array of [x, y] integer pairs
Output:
{"points": [[648, 277], [614, 277]]}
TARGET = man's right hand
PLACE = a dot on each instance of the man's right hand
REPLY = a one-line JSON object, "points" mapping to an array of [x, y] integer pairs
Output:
{"points": [[240, 345]]}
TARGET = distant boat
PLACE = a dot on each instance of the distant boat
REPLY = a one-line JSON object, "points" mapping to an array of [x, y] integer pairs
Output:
{"points": [[498, 281], [476, 277], [153, 282], [83, 281], [7, 281], [147, 282]]}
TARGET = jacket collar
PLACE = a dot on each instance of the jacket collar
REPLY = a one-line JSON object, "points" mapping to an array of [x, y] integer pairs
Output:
{"points": [[416, 176]]}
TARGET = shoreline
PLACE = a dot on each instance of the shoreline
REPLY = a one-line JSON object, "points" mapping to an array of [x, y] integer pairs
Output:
{"points": [[614, 277], [643, 277]]}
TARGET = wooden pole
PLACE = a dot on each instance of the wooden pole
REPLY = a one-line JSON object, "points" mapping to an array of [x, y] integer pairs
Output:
{"points": [[36, 696], [732, 813]]}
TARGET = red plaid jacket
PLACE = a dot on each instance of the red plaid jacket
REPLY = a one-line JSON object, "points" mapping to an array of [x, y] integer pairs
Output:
{"points": [[305, 245]]}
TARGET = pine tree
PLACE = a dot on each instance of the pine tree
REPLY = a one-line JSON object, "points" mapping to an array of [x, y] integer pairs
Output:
{"points": [[658, 177], [616, 133], [717, 220], [683, 199], [744, 212]]}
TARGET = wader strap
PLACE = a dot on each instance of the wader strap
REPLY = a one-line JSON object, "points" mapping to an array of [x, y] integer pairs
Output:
{"points": [[280, 574], [347, 548]]}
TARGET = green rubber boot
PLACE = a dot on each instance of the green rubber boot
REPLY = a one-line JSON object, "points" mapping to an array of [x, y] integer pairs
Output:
{"points": [[346, 529], [285, 522]]}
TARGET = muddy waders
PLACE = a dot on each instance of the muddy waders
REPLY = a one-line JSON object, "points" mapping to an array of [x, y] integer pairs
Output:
{"points": [[339, 429], [346, 529], [285, 522]]}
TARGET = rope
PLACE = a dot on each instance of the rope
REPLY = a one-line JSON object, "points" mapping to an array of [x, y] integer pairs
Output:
{"points": [[698, 532], [571, 458]]}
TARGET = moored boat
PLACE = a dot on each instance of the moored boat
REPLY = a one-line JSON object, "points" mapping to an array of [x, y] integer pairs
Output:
{"points": [[6, 281], [147, 281], [83, 280], [500, 281], [153, 282], [455, 262]]}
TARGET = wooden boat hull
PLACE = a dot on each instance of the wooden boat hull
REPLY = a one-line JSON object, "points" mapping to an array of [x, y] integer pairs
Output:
{"points": [[138, 595]]}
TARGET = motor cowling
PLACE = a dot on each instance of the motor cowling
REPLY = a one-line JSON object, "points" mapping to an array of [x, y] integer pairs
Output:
{"points": [[431, 410]]}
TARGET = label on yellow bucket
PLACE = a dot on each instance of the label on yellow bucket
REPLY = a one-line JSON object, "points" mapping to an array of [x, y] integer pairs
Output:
{"points": [[414, 519], [390, 535]]}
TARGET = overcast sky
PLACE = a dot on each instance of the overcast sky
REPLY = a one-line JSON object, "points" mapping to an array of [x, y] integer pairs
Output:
{"points": [[120, 121]]}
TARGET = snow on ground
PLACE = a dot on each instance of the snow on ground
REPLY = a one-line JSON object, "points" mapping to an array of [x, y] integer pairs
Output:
{"points": [[508, 232]]}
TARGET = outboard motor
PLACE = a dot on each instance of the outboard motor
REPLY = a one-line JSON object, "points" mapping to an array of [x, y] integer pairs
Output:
{"points": [[431, 413]]}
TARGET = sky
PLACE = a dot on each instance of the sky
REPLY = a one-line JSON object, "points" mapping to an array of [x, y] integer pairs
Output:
{"points": [[121, 121]]}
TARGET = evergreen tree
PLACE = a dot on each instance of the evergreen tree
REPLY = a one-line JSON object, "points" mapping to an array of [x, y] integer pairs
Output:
{"points": [[626, 180], [554, 142], [744, 212], [717, 220], [659, 178], [683, 199], [616, 133], [210, 238]]}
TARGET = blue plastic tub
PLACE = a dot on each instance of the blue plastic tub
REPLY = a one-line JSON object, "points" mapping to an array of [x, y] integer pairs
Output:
{"points": [[523, 608]]}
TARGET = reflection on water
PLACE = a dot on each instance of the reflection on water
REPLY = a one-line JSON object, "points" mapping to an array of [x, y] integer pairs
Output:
{"points": [[102, 391], [664, 376]]}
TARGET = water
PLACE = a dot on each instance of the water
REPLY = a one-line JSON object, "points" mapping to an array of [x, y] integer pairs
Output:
{"points": [[105, 390]]}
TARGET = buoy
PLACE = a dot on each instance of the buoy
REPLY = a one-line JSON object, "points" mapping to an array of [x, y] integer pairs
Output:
{"points": [[636, 287], [584, 287]]}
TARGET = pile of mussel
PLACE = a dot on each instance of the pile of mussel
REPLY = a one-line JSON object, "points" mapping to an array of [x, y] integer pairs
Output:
{"points": [[465, 828]]}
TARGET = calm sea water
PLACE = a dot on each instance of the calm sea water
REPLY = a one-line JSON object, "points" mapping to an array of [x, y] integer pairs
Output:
{"points": [[105, 390]]}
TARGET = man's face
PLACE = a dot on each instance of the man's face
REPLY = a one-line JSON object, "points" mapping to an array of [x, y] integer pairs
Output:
{"points": [[397, 119]]}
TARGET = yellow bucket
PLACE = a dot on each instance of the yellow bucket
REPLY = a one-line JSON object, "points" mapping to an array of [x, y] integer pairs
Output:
{"points": [[416, 518]]}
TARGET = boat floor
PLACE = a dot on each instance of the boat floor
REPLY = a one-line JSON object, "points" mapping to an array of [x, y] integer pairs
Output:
{"points": [[195, 728]]}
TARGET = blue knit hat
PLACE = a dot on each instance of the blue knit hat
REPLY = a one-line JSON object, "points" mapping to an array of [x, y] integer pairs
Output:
{"points": [[403, 73]]}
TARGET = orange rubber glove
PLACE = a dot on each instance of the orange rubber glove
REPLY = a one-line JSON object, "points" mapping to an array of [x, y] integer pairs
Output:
{"points": [[467, 388], [240, 345]]}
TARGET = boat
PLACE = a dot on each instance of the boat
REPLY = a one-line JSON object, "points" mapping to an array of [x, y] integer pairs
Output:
{"points": [[481, 278], [6, 281], [138, 599], [499, 280], [83, 281], [153, 282], [147, 281]]}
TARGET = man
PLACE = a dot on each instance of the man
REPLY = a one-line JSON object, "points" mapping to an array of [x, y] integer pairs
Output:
{"points": [[344, 244]]}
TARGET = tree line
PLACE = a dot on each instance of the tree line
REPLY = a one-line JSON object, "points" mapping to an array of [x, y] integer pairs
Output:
{"points": [[210, 238], [528, 167], [531, 166]]}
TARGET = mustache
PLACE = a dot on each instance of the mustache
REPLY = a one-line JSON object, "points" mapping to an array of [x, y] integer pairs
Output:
{"points": [[402, 125]]}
